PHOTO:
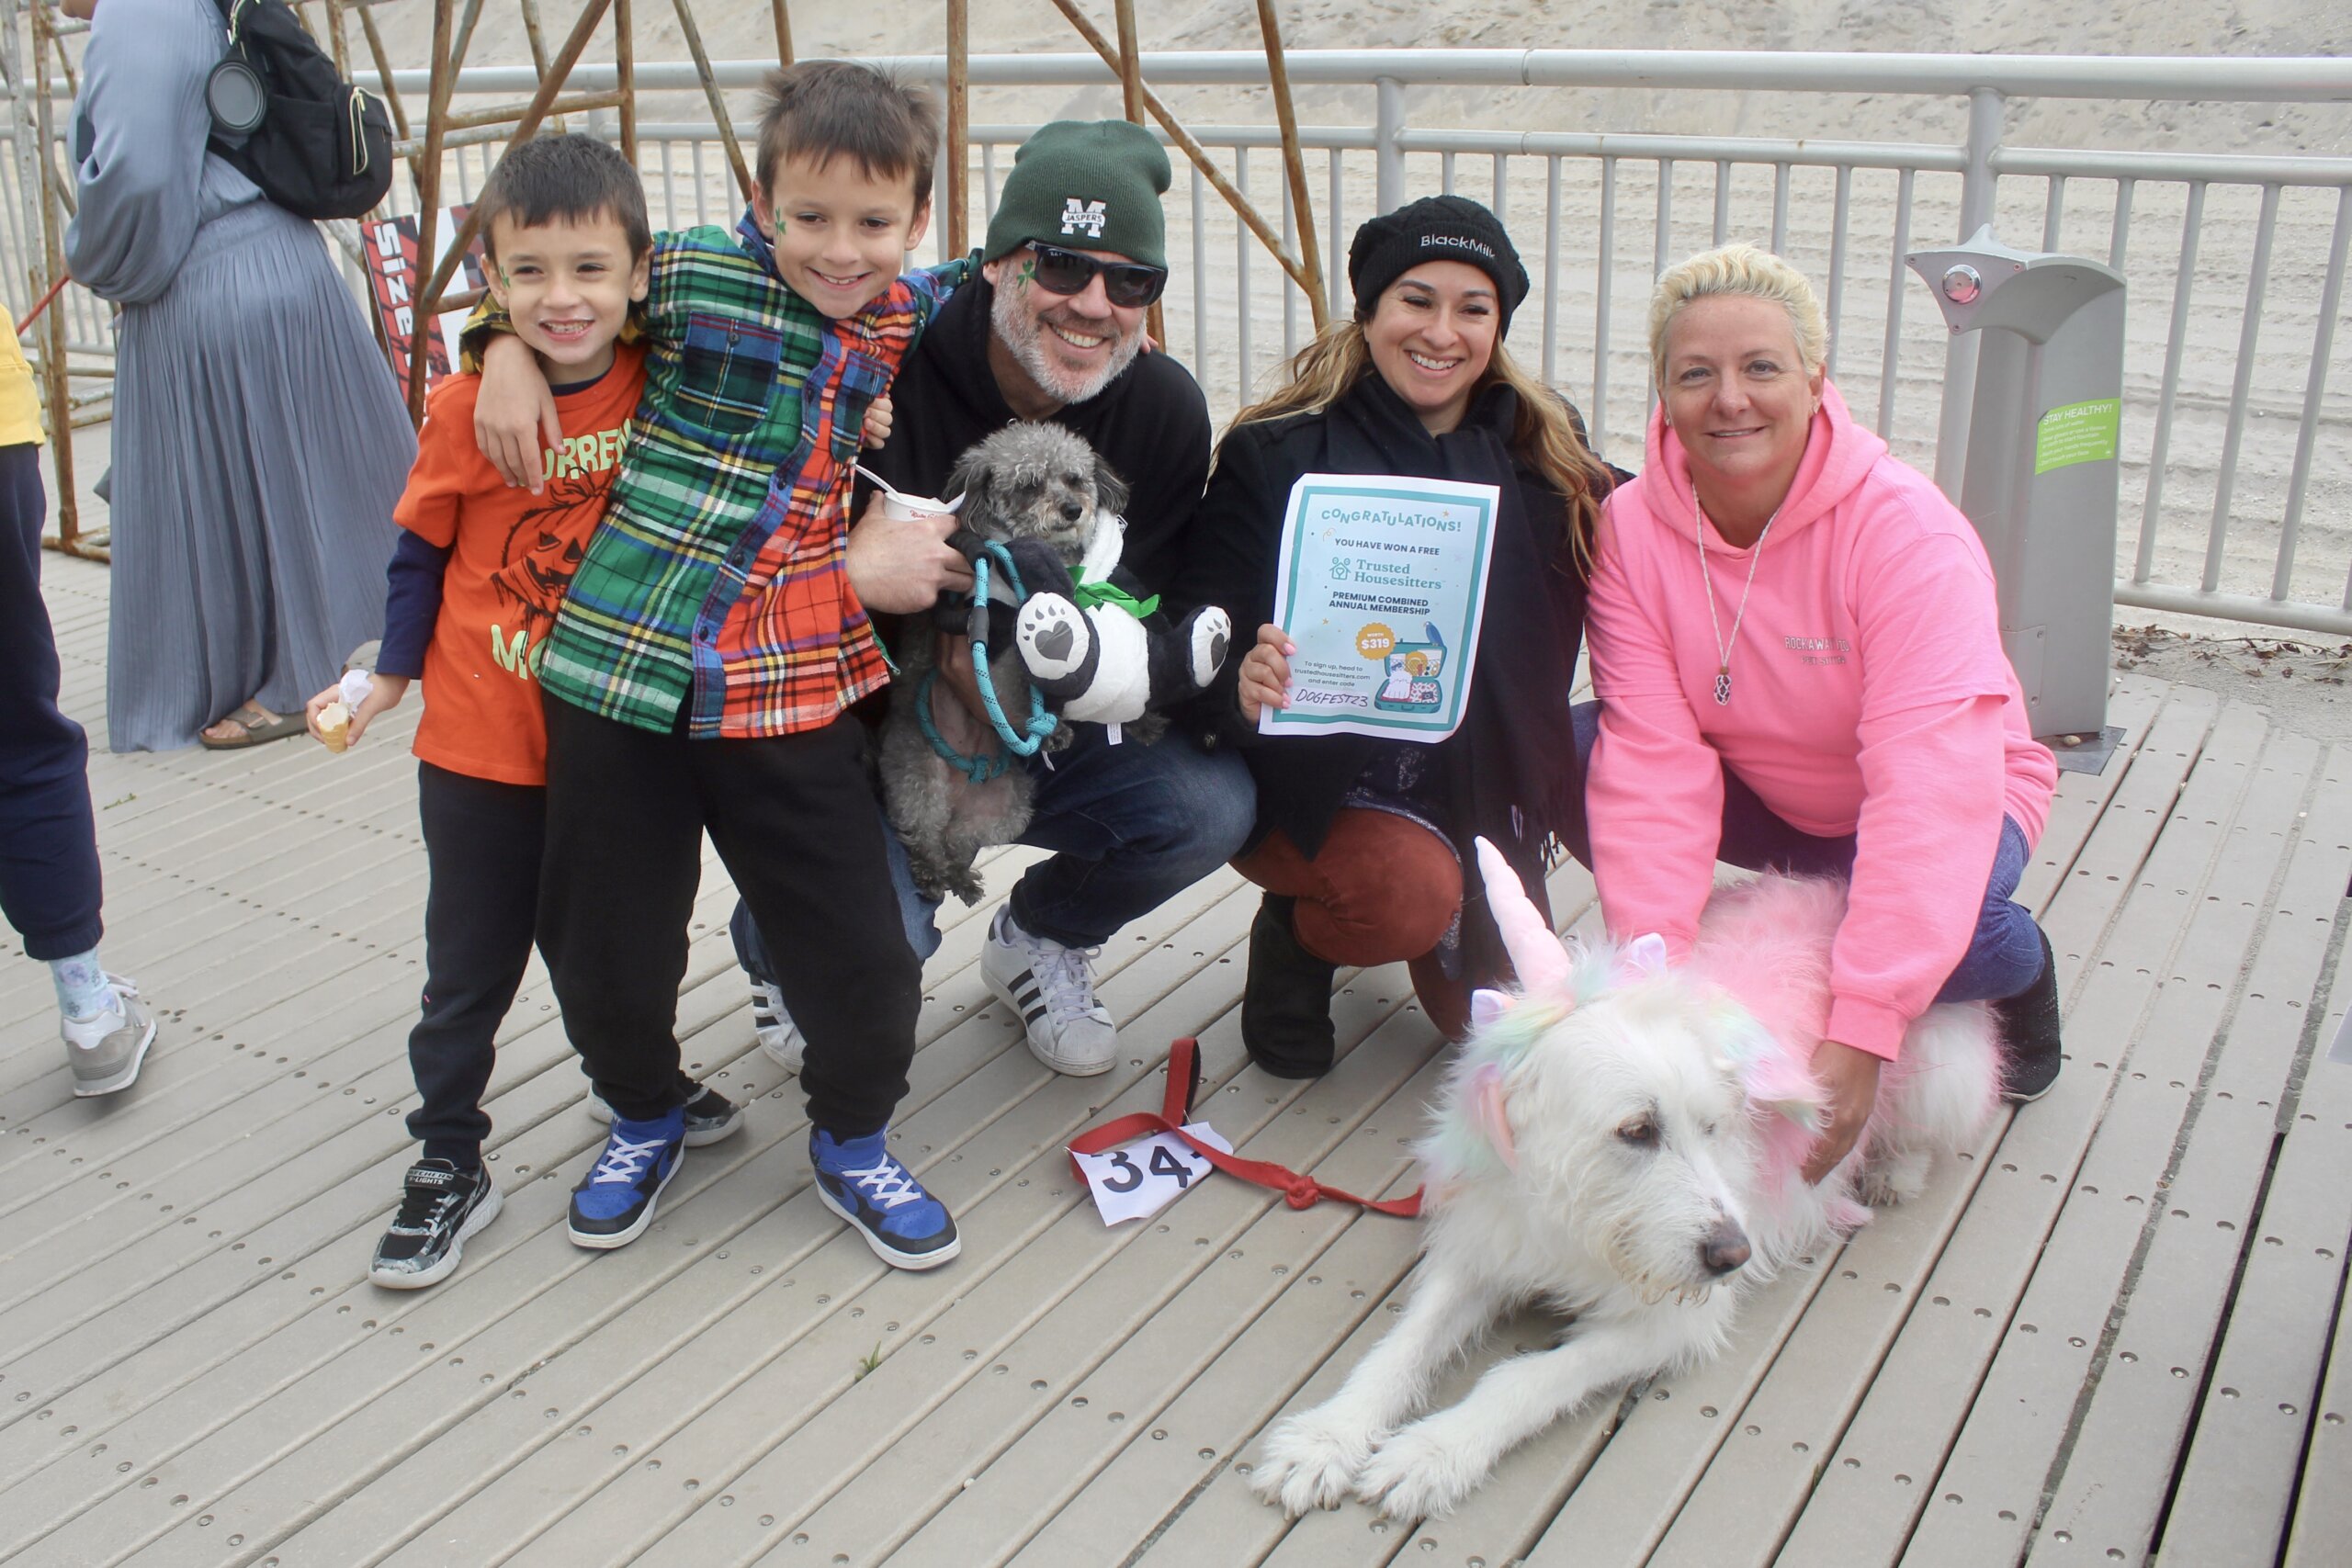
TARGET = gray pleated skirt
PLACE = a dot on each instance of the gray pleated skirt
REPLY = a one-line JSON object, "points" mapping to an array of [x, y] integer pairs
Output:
{"points": [[259, 446]]}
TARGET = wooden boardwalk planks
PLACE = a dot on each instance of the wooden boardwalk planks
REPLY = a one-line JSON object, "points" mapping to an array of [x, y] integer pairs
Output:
{"points": [[194, 1370], [2260, 1411]]}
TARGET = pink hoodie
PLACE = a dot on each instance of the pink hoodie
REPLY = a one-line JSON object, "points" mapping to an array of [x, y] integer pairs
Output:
{"points": [[1869, 695]]}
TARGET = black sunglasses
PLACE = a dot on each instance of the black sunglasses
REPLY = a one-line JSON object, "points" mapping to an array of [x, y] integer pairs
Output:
{"points": [[1128, 285]]}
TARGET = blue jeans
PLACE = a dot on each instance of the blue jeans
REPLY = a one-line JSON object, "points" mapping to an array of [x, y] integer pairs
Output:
{"points": [[1132, 827], [2003, 957]]}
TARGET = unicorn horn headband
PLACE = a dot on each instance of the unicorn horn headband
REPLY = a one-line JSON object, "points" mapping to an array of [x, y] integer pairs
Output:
{"points": [[1535, 952]]}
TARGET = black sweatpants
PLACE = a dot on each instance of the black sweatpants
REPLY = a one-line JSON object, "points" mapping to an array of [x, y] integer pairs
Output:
{"points": [[48, 846], [482, 849], [793, 818]]}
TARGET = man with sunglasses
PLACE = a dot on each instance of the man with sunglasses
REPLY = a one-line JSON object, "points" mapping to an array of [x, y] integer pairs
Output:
{"points": [[1054, 331]]}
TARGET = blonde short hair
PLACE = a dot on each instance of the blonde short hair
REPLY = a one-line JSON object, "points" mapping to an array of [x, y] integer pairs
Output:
{"points": [[1739, 268]]}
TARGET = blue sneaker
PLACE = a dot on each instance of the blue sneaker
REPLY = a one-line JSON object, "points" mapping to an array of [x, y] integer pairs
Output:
{"points": [[615, 1201], [859, 1180]]}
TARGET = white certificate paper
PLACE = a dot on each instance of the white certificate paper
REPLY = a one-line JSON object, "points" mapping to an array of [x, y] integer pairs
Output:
{"points": [[1381, 584]]}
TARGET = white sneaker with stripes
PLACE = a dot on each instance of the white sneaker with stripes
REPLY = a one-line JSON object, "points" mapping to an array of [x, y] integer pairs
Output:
{"points": [[772, 1025], [1051, 988]]}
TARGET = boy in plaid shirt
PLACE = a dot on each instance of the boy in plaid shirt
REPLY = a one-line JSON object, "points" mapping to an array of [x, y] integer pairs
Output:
{"points": [[701, 673]]}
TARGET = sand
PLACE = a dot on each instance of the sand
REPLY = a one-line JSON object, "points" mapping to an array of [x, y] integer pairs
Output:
{"points": [[741, 30]]}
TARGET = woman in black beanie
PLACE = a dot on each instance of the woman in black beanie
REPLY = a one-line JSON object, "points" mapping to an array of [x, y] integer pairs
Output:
{"points": [[1363, 844]]}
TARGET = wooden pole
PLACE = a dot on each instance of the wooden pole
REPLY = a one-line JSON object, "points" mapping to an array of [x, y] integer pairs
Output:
{"points": [[959, 125], [532, 36], [65, 61], [384, 70], [538, 48], [52, 354], [1310, 250], [428, 204], [64, 182], [625, 63], [466, 24], [341, 34], [782, 32], [1130, 63], [29, 189], [566, 58], [718, 100], [502, 116], [1192, 149], [1131, 106]]}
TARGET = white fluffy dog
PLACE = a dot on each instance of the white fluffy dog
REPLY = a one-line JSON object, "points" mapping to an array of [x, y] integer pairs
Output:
{"points": [[1615, 1141]]}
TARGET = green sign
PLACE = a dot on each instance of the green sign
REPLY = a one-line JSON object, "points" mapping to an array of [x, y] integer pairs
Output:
{"points": [[2077, 432]]}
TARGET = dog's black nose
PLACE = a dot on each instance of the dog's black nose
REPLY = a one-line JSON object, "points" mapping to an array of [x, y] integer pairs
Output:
{"points": [[1072, 511], [1725, 1247]]}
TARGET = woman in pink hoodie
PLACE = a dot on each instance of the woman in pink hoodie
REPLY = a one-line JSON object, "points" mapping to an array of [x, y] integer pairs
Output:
{"points": [[1799, 662]]}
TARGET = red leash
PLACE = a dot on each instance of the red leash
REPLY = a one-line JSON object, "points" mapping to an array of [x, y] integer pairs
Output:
{"points": [[62, 280], [1184, 1082]]}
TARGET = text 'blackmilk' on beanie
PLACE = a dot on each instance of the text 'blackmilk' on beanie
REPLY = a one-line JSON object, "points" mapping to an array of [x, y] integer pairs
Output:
{"points": [[1436, 227], [1091, 184]]}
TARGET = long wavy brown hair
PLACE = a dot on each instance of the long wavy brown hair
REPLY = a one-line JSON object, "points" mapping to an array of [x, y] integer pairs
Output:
{"points": [[1548, 435]]}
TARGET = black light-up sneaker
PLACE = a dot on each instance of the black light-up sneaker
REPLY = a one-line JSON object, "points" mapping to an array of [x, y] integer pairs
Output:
{"points": [[861, 1181], [441, 1206], [710, 1115]]}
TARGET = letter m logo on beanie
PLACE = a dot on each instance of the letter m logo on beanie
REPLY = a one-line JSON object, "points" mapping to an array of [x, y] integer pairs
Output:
{"points": [[1088, 216]]}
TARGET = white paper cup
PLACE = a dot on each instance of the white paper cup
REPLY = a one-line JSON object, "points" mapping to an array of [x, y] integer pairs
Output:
{"points": [[907, 507]]}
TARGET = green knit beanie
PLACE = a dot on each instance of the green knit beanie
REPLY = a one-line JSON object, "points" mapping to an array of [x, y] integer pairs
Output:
{"points": [[1090, 184]]}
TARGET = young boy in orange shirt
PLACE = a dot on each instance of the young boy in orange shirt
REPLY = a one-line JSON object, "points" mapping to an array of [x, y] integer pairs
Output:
{"points": [[474, 586]]}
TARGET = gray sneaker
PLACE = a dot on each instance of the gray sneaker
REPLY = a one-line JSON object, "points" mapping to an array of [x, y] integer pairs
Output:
{"points": [[106, 1052]]}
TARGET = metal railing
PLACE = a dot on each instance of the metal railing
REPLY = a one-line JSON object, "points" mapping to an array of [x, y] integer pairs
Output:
{"points": [[2234, 380]]}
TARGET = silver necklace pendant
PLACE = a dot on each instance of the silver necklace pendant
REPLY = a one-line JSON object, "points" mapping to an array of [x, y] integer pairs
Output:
{"points": [[1714, 619]]}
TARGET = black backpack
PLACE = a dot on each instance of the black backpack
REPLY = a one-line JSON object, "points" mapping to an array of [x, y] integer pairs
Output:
{"points": [[316, 145]]}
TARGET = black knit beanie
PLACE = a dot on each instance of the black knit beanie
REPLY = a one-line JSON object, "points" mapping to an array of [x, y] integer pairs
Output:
{"points": [[1090, 184], [1436, 227]]}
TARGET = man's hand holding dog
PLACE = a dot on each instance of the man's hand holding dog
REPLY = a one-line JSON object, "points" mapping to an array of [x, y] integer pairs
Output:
{"points": [[1850, 1077], [899, 567], [1265, 673], [954, 661]]}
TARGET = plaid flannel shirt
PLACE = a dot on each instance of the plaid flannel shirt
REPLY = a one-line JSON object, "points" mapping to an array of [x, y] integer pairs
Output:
{"points": [[717, 582]]}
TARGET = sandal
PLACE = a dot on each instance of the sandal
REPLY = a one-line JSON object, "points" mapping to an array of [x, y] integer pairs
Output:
{"points": [[255, 724]]}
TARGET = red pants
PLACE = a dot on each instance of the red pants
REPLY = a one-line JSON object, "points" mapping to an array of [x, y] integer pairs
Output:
{"points": [[1382, 888]]}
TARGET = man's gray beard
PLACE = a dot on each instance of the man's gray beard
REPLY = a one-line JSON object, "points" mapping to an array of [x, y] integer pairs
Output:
{"points": [[1019, 331]]}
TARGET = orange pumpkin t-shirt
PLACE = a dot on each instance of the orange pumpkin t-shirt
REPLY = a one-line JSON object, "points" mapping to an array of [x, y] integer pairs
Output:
{"points": [[511, 556]]}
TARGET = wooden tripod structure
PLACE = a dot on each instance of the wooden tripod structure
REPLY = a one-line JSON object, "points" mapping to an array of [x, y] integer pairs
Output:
{"points": [[1125, 57], [1305, 269], [443, 127], [517, 122]]}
